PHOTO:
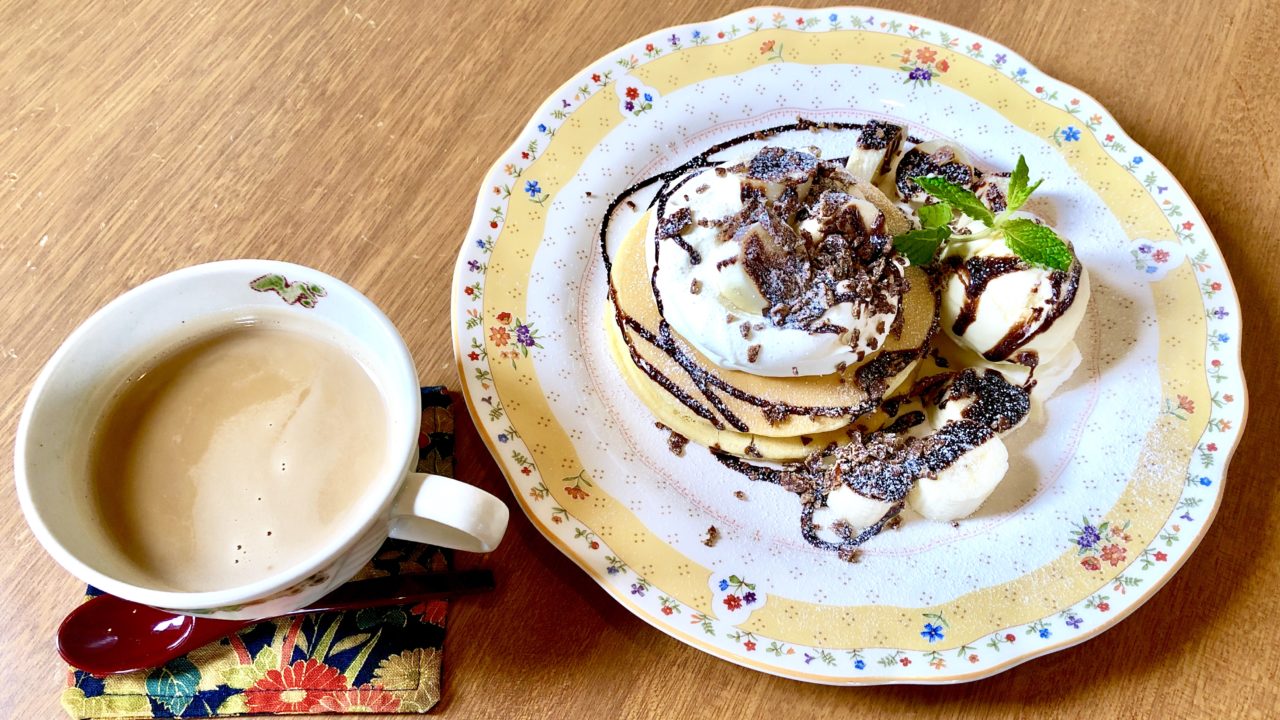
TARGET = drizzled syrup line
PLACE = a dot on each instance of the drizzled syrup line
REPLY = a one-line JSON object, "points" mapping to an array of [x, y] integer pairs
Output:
{"points": [[700, 378], [811, 498]]}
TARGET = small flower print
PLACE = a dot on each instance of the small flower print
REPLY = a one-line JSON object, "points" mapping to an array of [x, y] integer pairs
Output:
{"points": [[1074, 622], [1137, 161], [926, 55], [504, 317], [1001, 58], [1010, 638], [973, 657], [749, 645], [524, 336], [526, 470], [499, 336], [1186, 404], [473, 356], [468, 290], [1188, 225], [976, 46], [1161, 556], [666, 609], [1160, 256], [724, 584], [503, 437], [1044, 633], [648, 47], [1228, 397], [576, 493], [648, 97], [1104, 606], [674, 39], [542, 128], [1071, 133], [637, 589], [1205, 482], [904, 661], [1220, 313], [524, 154], [629, 105], [1088, 536], [632, 93], [749, 597], [944, 66], [733, 602], [1021, 72], [1091, 563], [859, 664], [766, 46], [833, 17], [1211, 447], [531, 187], [1215, 286], [931, 632]]}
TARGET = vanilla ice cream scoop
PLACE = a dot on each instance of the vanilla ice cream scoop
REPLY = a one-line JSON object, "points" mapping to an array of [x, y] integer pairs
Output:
{"points": [[1004, 309]]}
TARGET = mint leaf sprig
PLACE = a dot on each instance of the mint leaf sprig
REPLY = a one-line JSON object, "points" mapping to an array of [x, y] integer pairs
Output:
{"points": [[1035, 243]]}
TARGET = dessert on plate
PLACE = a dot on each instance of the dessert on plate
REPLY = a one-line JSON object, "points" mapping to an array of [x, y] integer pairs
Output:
{"points": [[860, 330]]}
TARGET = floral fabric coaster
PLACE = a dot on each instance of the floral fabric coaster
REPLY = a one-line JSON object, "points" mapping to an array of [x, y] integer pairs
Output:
{"points": [[384, 660]]}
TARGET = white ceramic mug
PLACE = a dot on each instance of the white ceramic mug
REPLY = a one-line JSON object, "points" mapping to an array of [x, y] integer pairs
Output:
{"points": [[73, 390]]}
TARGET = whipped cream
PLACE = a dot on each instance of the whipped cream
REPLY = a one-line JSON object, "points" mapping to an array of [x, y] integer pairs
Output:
{"points": [[718, 306]]}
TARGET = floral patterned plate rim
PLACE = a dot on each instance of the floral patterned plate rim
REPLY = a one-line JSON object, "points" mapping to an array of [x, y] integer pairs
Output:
{"points": [[585, 472]]}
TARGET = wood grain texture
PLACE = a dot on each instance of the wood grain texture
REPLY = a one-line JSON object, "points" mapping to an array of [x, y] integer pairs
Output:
{"points": [[139, 137]]}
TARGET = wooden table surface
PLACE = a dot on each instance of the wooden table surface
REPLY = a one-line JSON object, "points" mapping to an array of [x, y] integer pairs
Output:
{"points": [[139, 137]]}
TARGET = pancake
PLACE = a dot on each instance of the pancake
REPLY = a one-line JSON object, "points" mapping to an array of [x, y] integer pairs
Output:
{"points": [[764, 407], [670, 412]]}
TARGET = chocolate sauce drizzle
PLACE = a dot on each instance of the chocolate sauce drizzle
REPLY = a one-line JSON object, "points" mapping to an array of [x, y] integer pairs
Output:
{"points": [[976, 274], [870, 376], [886, 464]]}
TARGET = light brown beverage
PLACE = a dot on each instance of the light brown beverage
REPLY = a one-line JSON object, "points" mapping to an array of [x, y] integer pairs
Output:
{"points": [[236, 455]]}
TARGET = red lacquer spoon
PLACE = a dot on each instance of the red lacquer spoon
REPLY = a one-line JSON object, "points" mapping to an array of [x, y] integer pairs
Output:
{"points": [[107, 635]]}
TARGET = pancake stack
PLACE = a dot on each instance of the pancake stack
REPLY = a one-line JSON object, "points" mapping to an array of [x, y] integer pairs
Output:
{"points": [[809, 243]]}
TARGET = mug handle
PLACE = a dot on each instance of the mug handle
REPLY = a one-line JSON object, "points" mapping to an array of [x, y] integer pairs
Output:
{"points": [[442, 511]]}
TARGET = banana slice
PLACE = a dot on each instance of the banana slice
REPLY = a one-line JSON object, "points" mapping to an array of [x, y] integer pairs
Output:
{"points": [[933, 158], [877, 150], [859, 511], [959, 490]]}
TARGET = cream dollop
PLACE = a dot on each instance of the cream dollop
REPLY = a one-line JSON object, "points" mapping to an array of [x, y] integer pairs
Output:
{"points": [[717, 307]]}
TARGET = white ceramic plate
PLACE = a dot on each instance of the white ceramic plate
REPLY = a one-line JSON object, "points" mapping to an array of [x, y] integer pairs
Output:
{"points": [[1109, 490]]}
